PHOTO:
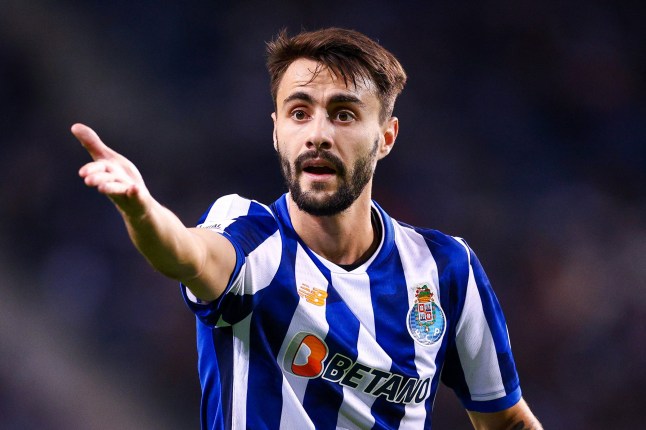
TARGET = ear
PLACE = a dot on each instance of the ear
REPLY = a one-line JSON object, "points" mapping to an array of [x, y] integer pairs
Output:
{"points": [[273, 117], [389, 135]]}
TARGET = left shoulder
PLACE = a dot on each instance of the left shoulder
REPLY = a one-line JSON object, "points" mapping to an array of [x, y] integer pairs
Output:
{"points": [[441, 245]]}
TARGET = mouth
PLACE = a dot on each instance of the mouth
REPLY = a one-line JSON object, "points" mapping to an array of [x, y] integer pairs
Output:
{"points": [[318, 167]]}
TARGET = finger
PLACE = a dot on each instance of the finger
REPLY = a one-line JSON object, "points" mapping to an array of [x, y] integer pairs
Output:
{"points": [[96, 179], [128, 197], [95, 167], [114, 189], [91, 142]]}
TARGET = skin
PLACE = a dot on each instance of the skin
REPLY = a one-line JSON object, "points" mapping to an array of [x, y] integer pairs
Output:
{"points": [[322, 113], [176, 251], [518, 417], [316, 114]]}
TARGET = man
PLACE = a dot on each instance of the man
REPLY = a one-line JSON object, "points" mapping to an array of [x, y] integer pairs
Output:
{"points": [[320, 311]]}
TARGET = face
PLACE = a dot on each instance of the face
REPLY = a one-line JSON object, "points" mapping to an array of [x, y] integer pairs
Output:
{"points": [[328, 137]]}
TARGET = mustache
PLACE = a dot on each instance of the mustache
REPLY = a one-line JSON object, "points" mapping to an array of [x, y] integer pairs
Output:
{"points": [[321, 155]]}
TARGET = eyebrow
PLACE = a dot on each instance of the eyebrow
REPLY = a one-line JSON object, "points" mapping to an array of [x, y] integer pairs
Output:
{"points": [[347, 98], [299, 95], [338, 98]]}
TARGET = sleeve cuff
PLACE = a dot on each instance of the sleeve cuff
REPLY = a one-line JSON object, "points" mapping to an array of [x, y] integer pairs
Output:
{"points": [[496, 405]]}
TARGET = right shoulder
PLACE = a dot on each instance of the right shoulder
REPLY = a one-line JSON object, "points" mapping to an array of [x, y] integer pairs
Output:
{"points": [[244, 221], [230, 207]]}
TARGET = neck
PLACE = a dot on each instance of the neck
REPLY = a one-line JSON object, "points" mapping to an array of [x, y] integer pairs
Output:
{"points": [[345, 238]]}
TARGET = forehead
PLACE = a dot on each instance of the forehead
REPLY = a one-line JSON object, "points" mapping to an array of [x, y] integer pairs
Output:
{"points": [[311, 76]]}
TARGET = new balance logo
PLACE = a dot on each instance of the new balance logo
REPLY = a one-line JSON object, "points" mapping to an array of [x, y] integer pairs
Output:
{"points": [[312, 295]]}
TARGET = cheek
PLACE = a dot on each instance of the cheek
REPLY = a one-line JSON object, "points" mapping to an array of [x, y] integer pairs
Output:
{"points": [[364, 143], [285, 156], [286, 138]]}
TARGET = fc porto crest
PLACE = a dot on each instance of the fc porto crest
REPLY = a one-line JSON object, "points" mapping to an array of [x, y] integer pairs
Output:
{"points": [[426, 322]]}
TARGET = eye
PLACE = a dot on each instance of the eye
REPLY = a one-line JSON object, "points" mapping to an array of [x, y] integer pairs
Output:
{"points": [[344, 116], [299, 115]]}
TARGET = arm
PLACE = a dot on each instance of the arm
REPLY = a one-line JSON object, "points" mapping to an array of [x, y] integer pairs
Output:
{"points": [[482, 362], [178, 252], [518, 417]]}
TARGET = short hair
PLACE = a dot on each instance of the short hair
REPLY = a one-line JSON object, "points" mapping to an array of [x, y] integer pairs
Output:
{"points": [[348, 53]]}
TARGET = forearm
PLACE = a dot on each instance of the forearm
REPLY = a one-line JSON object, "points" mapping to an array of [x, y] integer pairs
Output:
{"points": [[518, 417], [171, 248], [517, 423], [165, 242], [526, 424]]}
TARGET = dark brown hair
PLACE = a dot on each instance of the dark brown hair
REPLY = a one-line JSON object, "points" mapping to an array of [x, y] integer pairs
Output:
{"points": [[348, 53]]}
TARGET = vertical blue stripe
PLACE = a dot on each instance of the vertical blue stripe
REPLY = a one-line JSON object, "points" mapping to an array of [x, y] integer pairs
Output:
{"points": [[223, 343], [269, 325], [253, 228], [452, 287], [389, 295], [453, 273], [215, 377], [323, 398], [497, 325]]}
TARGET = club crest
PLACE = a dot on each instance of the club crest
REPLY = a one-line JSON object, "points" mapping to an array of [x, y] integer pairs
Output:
{"points": [[426, 321]]}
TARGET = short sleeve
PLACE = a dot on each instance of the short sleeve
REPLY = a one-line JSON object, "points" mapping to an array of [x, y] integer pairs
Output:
{"points": [[480, 366], [246, 224]]}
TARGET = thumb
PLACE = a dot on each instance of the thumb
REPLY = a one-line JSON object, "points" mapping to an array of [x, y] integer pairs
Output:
{"points": [[91, 142]]}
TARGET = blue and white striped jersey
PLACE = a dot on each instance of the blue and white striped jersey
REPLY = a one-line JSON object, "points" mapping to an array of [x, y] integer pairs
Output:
{"points": [[297, 342]]}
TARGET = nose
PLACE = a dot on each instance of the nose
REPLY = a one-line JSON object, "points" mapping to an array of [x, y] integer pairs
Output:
{"points": [[320, 132]]}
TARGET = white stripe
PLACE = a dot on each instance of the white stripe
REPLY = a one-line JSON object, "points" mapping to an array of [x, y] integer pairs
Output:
{"points": [[307, 318], [261, 266], [258, 270], [292, 402], [354, 288], [476, 347], [240, 372], [227, 207], [419, 267]]}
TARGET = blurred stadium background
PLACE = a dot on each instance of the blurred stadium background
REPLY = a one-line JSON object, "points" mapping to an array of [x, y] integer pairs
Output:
{"points": [[523, 129]]}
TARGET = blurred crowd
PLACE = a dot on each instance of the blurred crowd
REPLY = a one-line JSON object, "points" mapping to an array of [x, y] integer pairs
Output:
{"points": [[523, 130]]}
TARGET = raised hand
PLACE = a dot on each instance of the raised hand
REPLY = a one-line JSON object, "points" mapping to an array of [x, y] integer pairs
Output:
{"points": [[113, 174], [174, 250]]}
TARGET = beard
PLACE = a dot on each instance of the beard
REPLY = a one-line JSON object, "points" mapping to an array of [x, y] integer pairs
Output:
{"points": [[351, 184]]}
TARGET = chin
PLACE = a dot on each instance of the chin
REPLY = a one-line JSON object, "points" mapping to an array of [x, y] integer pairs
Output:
{"points": [[323, 204]]}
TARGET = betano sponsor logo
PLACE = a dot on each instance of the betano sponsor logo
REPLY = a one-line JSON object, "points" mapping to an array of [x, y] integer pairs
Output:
{"points": [[307, 357]]}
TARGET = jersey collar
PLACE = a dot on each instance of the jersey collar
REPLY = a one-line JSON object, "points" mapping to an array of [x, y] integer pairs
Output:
{"points": [[383, 250]]}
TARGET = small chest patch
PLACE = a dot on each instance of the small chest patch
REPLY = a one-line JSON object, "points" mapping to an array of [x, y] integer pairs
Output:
{"points": [[426, 322]]}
